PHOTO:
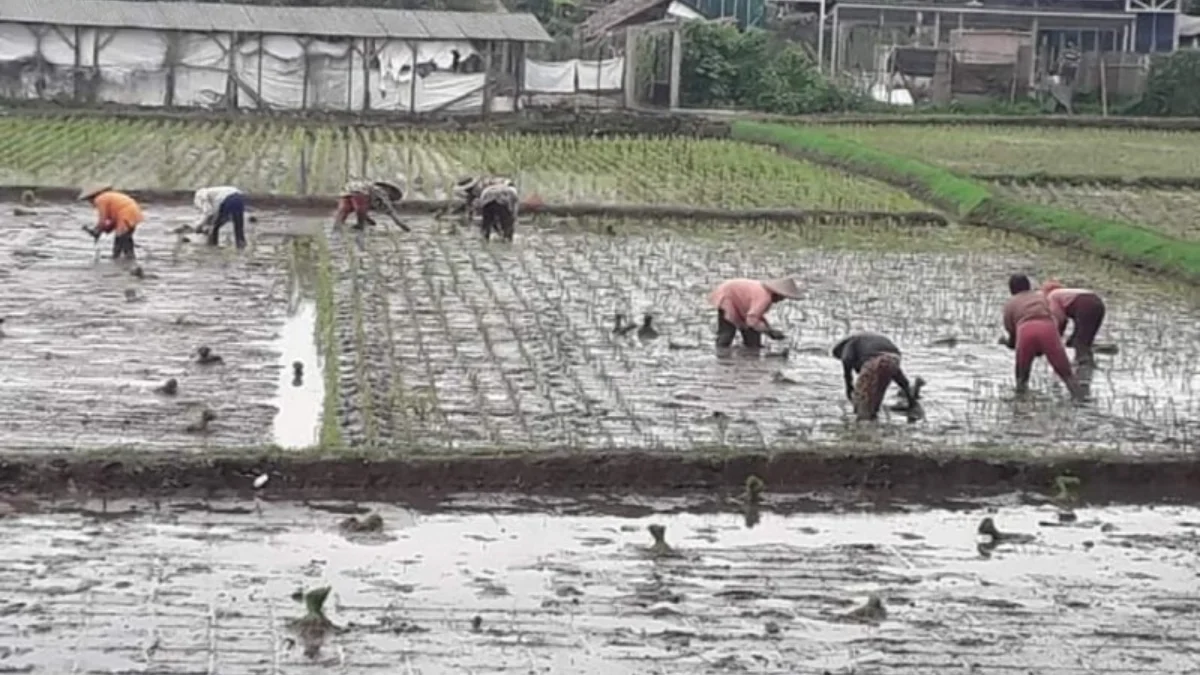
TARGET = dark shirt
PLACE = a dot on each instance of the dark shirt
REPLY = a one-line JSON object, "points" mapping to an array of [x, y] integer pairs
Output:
{"points": [[857, 349]]}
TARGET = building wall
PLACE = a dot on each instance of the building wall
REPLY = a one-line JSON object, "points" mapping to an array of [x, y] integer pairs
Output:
{"points": [[158, 68]]}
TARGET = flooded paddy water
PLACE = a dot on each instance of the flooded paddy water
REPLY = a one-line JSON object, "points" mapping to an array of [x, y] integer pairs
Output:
{"points": [[450, 344], [86, 343], [210, 587]]}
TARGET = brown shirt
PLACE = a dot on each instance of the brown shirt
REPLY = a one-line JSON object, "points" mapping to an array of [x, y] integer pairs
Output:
{"points": [[1025, 306]]}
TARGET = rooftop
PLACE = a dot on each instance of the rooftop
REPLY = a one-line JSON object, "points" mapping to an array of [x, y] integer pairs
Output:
{"points": [[342, 22]]}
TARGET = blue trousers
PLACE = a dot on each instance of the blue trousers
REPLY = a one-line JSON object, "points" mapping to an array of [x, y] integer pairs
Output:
{"points": [[233, 208]]}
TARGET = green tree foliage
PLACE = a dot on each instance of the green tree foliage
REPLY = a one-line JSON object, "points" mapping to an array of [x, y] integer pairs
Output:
{"points": [[725, 66], [1173, 87]]}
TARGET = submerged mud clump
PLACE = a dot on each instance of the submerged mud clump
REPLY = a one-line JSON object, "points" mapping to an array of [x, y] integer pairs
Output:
{"points": [[371, 524], [871, 612], [660, 548], [168, 388]]}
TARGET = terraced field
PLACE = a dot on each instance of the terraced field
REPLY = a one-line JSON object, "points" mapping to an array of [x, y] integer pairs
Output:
{"points": [[1015, 150], [1170, 211], [270, 157]]}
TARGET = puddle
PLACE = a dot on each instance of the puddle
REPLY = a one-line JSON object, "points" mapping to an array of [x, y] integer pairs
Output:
{"points": [[533, 592], [298, 422]]}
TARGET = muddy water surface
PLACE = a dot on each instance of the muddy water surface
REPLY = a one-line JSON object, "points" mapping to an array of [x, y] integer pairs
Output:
{"points": [[185, 588], [514, 345], [86, 342]]}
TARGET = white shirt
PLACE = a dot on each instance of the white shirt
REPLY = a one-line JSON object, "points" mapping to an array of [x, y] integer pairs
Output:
{"points": [[209, 199]]}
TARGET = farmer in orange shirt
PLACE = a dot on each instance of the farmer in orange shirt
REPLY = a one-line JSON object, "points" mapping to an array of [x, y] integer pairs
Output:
{"points": [[1085, 308], [742, 305], [1033, 332], [116, 213]]}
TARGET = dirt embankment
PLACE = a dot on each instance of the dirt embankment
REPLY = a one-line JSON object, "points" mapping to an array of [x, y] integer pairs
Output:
{"points": [[909, 477], [1119, 182]]}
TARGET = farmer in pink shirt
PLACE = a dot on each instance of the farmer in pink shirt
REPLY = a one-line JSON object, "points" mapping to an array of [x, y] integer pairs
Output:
{"points": [[1031, 331], [1081, 306], [742, 306]]}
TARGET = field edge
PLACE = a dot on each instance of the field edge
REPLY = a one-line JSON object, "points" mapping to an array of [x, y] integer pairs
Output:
{"points": [[977, 204], [918, 477]]}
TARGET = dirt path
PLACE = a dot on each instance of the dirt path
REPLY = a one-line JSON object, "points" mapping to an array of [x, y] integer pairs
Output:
{"points": [[205, 588]]}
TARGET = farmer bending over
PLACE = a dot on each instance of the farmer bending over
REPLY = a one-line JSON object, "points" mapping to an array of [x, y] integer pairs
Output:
{"points": [[469, 190], [219, 205], [876, 359], [361, 197], [742, 305], [1033, 331], [1084, 308], [116, 213], [498, 204]]}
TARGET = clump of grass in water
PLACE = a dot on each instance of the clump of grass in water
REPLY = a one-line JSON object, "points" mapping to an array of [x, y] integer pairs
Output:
{"points": [[314, 625], [1066, 497], [751, 498], [372, 523]]}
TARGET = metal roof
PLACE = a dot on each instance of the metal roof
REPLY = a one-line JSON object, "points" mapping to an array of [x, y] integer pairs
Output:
{"points": [[344, 22]]}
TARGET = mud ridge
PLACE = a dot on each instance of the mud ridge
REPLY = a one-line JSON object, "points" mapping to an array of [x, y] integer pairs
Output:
{"points": [[1126, 182], [325, 203], [1030, 121], [529, 121], [921, 478]]}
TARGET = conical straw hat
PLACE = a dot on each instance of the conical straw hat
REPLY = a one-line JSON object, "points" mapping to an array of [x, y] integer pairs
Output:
{"points": [[785, 286], [92, 189]]}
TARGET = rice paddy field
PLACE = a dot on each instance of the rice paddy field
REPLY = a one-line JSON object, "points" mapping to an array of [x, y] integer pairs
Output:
{"points": [[434, 342], [275, 157], [993, 150], [1172, 212]]}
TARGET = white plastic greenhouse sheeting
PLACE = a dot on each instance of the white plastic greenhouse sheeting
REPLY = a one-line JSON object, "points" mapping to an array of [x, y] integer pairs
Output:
{"points": [[132, 65], [568, 77]]}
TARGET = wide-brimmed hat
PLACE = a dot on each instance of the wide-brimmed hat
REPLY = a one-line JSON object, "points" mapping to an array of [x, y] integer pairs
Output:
{"points": [[92, 189], [395, 192], [465, 183], [784, 286]]}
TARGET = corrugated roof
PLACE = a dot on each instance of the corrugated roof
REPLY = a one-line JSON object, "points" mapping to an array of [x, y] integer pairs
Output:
{"points": [[614, 14], [345, 22]]}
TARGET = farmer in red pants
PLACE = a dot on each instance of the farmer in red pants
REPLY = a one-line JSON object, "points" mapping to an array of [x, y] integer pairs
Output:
{"points": [[1033, 332], [1081, 306], [360, 197]]}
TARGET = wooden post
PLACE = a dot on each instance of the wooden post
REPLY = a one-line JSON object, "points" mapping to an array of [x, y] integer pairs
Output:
{"points": [[412, 85], [937, 29], [1103, 87], [94, 91], [487, 78], [172, 57], [835, 34], [629, 78], [231, 69], [368, 55], [820, 37], [262, 47], [77, 79], [520, 72], [304, 90], [676, 64]]}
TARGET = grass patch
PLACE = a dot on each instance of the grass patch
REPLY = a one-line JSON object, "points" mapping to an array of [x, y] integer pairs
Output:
{"points": [[331, 431], [975, 202]]}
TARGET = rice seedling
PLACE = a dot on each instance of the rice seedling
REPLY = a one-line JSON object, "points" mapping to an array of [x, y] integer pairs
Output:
{"points": [[272, 157], [493, 348], [1169, 211], [982, 149]]}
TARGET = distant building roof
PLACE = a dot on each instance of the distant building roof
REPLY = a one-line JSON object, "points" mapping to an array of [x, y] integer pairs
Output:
{"points": [[344, 22], [618, 12]]}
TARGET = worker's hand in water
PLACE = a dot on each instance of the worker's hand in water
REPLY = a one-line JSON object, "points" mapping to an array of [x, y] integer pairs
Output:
{"points": [[775, 334]]}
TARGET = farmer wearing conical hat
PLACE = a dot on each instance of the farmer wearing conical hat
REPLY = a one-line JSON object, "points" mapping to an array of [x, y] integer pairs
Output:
{"points": [[220, 205], [742, 305], [498, 205], [469, 189], [360, 197], [876, 359], [1082, 307], [116, 213], [1032, 331]]}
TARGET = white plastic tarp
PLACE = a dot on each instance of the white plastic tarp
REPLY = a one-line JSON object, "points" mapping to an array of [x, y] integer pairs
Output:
{"points": [[605, 75], [550, 77], [274, 70], [202, 74], [17, 43], [396, 55], [436, 91]]}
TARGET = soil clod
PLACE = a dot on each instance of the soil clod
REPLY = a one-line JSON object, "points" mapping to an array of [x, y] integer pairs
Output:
{"points": [[168, 388], [372, 523], [206, 357], [647, 332], [871, 612], [201, 426]]}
